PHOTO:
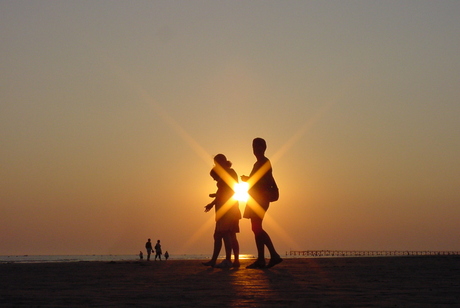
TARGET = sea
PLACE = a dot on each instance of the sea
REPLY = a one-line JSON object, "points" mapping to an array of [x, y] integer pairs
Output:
{"points": [[103, 258], [119, 258]]}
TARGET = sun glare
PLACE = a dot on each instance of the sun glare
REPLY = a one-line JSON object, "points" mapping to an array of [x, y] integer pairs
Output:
{"points": [[241, 191]]}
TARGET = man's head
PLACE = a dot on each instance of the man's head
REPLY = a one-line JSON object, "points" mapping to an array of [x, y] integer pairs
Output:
{"points": [[259, 146]]}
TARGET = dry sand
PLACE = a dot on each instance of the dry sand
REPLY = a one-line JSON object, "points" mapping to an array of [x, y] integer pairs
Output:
{"points": [[313, 282]]}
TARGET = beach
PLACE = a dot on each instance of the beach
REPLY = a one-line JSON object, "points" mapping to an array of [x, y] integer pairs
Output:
{"points": [[432, 281]]}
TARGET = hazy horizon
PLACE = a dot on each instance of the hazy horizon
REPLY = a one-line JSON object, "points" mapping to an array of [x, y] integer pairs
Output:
{"points": [[111, 112]]}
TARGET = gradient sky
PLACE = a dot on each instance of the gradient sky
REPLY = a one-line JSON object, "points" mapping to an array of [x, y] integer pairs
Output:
{"points": [[111, 112]]}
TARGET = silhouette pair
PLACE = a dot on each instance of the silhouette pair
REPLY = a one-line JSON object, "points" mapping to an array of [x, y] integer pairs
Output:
{"points": [[262, 191]]}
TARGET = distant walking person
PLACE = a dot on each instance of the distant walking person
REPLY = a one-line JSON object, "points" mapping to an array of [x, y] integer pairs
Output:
{"points": [[158, 250], [148, 247], [262, 191], [166, 255]]}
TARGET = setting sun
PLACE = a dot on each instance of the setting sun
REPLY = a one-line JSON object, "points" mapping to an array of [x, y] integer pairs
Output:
{"points": [[241, 191]]}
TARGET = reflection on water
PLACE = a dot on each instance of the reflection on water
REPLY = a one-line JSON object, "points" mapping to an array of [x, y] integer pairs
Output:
{"points": [[260, 287]]}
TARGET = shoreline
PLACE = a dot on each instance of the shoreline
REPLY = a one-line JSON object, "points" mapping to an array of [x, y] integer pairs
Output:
{"points": [[94, 257], [35, 259]]}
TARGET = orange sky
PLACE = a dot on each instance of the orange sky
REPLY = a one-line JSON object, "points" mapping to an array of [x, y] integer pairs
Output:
{"points": [[111, 112]]}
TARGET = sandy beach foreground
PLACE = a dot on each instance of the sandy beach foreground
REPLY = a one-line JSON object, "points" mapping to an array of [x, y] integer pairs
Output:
{"points": [[313, 282]]}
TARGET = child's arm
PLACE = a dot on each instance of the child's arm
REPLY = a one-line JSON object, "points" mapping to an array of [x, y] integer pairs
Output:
{"points": [[208, 207]]}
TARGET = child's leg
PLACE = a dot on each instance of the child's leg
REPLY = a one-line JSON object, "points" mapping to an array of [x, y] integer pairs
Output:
{"points": [[216, 250], [235, 246], [228, 246], [217, 246], [227, 263]]}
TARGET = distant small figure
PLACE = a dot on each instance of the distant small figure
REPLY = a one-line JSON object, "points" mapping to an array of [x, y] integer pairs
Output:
{"points": [[158, 250], [141, 255], [148, 247], [166, 255]]}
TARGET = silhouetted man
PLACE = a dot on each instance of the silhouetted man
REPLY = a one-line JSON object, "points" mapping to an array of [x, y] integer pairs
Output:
{"points": [[263, 189]]}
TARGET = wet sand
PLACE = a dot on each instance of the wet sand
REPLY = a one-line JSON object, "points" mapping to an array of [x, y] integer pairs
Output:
{"points": [[313, 282]]}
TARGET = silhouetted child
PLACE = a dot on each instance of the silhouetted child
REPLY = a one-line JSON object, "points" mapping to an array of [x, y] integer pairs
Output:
{"points": [[227, 213]]}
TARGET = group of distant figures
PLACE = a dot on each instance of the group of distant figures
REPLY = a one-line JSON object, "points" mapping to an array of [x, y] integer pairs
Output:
{"points": [[149, 248], [262, 190]]}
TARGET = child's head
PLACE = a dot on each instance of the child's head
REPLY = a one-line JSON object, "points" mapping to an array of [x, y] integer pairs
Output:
{"points": [[221, 167], [222, 161]]}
